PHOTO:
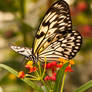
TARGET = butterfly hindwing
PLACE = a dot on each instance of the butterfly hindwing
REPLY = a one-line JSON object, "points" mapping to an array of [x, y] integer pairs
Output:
{"points": [[67, 47], [57, 21]]}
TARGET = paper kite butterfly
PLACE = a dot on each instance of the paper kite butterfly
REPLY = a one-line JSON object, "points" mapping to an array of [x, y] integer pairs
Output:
{"points": [[55, 37]]}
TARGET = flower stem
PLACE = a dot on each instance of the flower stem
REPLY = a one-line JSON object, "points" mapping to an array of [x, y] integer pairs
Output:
{"points": [[44, 69], [45, 85], [62, 86], [39, 68], [27, 75]]}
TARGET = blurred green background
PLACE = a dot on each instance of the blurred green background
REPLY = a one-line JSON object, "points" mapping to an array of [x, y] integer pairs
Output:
{"points": [[20, 19]]}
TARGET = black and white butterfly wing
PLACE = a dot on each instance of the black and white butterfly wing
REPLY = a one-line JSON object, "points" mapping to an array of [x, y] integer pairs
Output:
{"points": [[27, 52], [55, 37], [66, 47], [57, 21]]}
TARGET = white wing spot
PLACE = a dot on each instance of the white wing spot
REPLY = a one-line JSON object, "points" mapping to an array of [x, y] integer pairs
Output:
{"points": [[62, 24], [76, 47], [64, 41], [52, 24], [47, 15], [79, 37], [53, 18], [50, 16], [61, 28], [73, 53], [78, 43], [75, 50], [77, 40]]}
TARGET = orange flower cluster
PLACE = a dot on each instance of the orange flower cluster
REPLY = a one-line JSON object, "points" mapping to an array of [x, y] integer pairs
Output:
{"points": [[54, 66], [28, 66], [21, 74]]}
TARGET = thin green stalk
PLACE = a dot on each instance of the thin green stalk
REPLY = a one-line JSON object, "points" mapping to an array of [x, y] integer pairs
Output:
{"points": [[44, 69], [63, 81], [43, 76], [37, 74], [45, 85], [39, 68], [27, 75], [49, 85]]}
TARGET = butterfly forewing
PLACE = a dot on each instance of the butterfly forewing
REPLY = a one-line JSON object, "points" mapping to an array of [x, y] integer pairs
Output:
{"points": [[21, 50], [57, 21]]}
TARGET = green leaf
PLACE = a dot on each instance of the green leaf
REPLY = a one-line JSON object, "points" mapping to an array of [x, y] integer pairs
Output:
{"points": [[84, 87], [59, 78], [28, 81]]}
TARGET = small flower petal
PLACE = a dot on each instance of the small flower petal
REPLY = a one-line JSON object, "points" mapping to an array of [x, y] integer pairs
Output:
{"points": [[71, 62], [54, 74], [62, 60], [54, 63], [68, 69], [28, 66], [21, 74], [59, 65], [33, 69], [47, 78], [53, 69], [53, 78], [49, 65], [30, 63]]}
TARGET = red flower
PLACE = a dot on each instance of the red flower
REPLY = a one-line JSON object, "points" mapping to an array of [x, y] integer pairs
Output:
{"points": [[53, 78], [54, 67], [54, 63], [51, 64], [21, 74], [32, 69], [30, 66], [54, 74], [68, 69], [59, 65], [27, 66], [47, 78]]}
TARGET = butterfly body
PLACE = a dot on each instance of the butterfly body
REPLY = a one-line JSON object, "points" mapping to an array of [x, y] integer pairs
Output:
{"points": [[55, 37]]}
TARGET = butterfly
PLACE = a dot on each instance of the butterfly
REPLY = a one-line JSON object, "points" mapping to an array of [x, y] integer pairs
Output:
{"points": [[55, 37]]}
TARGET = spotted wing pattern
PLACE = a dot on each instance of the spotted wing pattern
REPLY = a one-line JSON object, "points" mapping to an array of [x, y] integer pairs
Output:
{"points": [[21, 50], [57, 21], [66, 47]]}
